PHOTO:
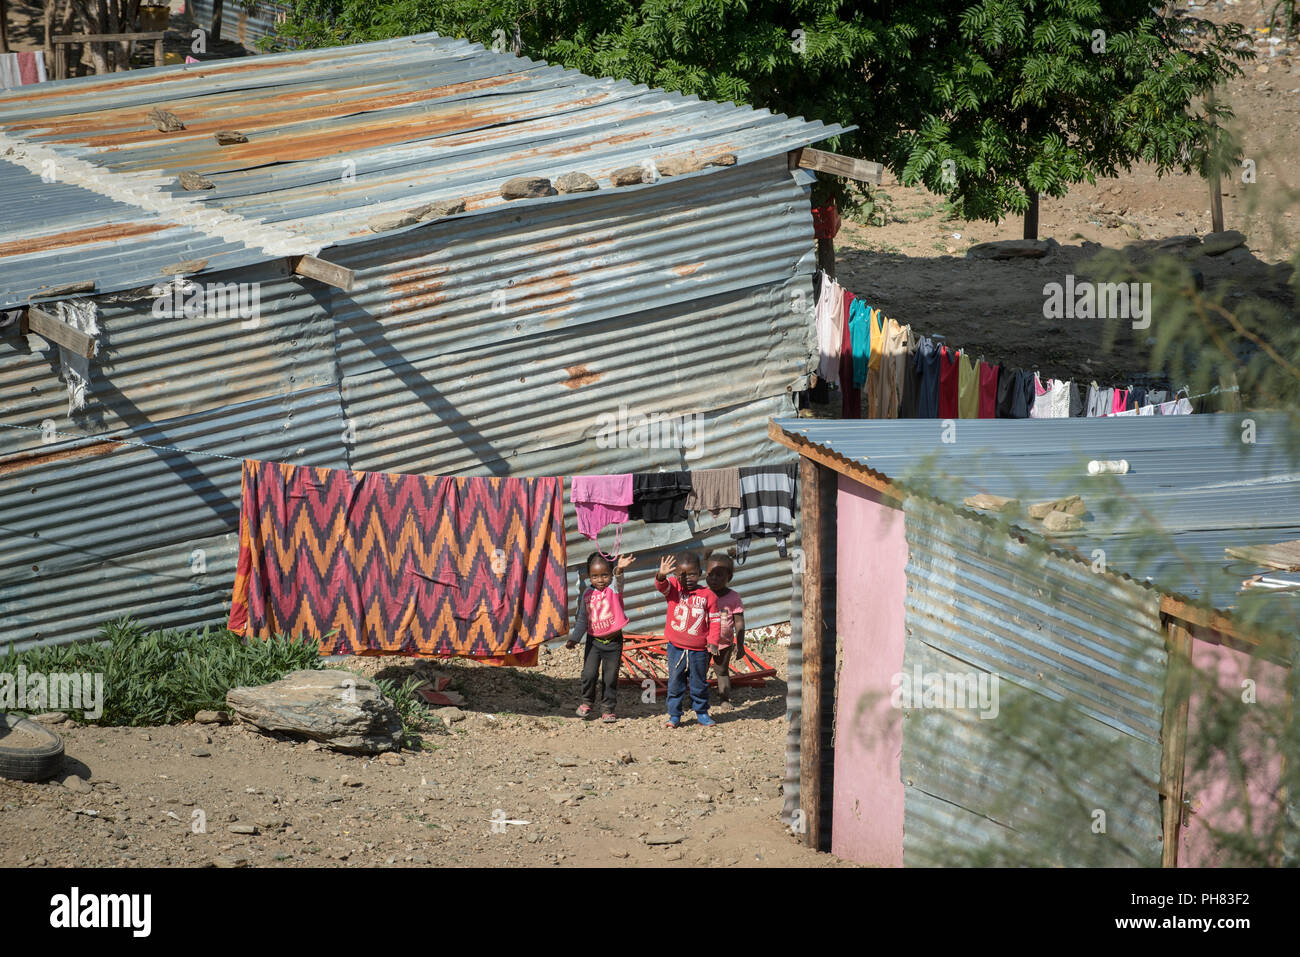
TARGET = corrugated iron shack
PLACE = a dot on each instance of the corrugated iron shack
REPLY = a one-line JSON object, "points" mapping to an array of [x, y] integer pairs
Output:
{"points": [[408, 318], [981, 687]]}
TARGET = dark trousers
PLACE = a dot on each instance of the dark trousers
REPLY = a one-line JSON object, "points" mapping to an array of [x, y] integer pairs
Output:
{"points": [[602, 656], [691, 668]]}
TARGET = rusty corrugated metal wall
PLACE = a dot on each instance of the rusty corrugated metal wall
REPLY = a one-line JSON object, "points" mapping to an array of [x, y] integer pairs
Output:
{"points": [[688, 298], [1068, 770]]}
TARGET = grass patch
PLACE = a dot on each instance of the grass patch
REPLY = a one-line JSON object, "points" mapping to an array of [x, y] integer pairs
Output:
{"points": [[162, 677], [415, 714]]}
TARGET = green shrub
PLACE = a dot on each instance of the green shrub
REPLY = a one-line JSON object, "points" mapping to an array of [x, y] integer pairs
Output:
{"points": [[162, 677]]}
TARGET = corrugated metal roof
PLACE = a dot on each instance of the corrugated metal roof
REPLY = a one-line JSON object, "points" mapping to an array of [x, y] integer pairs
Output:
{"points": [[244, 22], [1073, 724], [335, 137], [1193, 489]]}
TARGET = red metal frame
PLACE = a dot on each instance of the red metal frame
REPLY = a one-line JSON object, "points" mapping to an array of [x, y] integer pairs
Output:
{"points": [[647, 657]]}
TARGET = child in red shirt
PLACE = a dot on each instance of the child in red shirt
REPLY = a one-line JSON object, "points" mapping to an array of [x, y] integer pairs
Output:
{"points": [[691, 628], [731, 619], [601, 620]]}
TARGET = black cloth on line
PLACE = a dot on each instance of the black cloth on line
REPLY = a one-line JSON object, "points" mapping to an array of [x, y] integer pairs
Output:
{"points": [[659, 496]]}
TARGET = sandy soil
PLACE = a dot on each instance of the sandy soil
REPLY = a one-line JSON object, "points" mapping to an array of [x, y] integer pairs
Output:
{"points": [[519, 754]]}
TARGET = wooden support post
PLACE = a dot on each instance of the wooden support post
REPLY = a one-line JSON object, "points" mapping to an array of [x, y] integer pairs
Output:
{"points": [[47, 20], [158, 58], [1173, 737], [864, 171], [1216, 202], [817, 490], [4, 26], [214, 33], [326, 272], [57, 331]]}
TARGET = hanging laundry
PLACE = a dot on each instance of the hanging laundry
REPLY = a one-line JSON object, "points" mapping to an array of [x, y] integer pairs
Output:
{"points": [[968, 388], [1136, 397], [1023, 394], [850, 395], [911, 377], [375, 563], [893, 363], [659, 497], [873, 386], [1077, 407], [1008, 386], [1157, 396], [600, 500], [830, 331], [22, 69], [1058, 399], [713, 490], [1182, 406], [860, 335], [1092, 403], [1147, 410], [1120, 400], [926, 362], [948, 383], [1042, 405], [767, 507], [988, 400]]}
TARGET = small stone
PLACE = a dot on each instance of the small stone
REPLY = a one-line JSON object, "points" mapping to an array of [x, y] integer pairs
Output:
{"points": [[991, 503], [184, 267], [229, 137], [349, 782], [229, 862], [679, 165], [534, 837], [526, 187], [625, 757], [203, 738], [673, 855], [1216, 244], [439, 210], [615, 852], [165, 122], [386, 221], [1062, 522], [723, 159], [576, 183], [450, 715], [211, 717], [243, 829], [191, 180], [1071, 505], [667, 837], [1010, 249], [565, 797], [51, 717], [118, 834], [79, 784], [389, 757], [200, 753], [567, 762], [626, 176]]}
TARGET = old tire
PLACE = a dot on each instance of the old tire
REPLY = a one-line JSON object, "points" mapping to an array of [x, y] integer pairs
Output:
{"points": [[37, 758]]}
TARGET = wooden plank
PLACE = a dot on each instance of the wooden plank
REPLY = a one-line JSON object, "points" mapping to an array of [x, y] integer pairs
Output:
{"points": [[109, 37], [817, 490], [158, 56], [1173, 738], [859, 473], [864, 171], [1284, 556], [326, 272], [58, 332]]}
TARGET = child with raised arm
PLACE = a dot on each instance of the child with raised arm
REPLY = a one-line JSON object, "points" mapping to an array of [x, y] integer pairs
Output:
{"points": [[691, 628], [719, 568], [602, 620]]}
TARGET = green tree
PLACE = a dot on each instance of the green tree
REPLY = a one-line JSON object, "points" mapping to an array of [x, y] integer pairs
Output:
{"points": [[992, 103]]}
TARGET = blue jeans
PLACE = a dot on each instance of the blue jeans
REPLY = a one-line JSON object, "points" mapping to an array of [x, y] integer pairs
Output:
{"points": [[682, 663]]}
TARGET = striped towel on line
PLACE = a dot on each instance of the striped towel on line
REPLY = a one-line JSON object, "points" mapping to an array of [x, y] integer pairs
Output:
{"points": [[766, 507]]}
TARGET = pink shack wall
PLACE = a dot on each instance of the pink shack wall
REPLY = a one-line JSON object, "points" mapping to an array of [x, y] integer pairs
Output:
{"points": [[1216, 795], [872, 554]]}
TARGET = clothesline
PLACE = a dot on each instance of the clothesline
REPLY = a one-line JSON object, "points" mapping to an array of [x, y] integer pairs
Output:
{"points": [[760, 499], [903, 375]]}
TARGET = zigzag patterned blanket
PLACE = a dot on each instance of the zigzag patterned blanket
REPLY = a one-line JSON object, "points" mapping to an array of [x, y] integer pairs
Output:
{"points": [[373, 563]]}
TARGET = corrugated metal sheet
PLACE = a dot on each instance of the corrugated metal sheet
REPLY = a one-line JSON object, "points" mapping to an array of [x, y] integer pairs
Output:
{"points": [[1080, 662], [115, 515], [155, 368], [1193, 488], [245, 23], [338, 136]]}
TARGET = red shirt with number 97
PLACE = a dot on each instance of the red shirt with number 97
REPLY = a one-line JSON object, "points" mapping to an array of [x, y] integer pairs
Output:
{"points": [[693, 620]]}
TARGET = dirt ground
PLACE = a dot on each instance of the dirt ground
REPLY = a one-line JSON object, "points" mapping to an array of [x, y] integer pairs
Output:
{"points": [[519, 755]]}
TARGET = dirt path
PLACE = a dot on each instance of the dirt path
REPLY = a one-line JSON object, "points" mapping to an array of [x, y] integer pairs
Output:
{"points": [[518, 751]]}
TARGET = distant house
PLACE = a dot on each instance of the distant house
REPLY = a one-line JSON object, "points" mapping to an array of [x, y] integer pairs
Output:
{"points": [[1004, 693], [368, 300]]}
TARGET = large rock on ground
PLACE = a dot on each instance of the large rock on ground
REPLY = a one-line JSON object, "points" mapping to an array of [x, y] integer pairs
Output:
{"points": [[1011, 249], [339, 709]]}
